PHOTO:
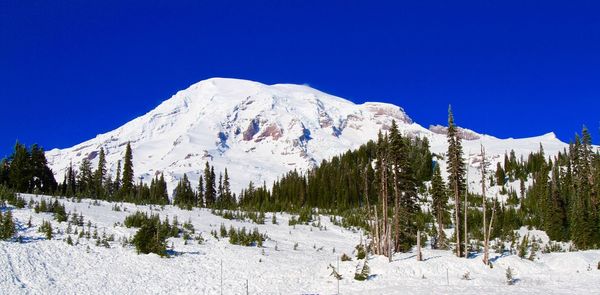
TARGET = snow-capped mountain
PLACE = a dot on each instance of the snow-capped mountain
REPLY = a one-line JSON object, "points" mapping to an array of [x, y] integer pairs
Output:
{"points": [[261, 131]]}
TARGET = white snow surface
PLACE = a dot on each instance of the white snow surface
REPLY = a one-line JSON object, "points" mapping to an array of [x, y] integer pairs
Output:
{"points": [[259, 132], [41, 266]]}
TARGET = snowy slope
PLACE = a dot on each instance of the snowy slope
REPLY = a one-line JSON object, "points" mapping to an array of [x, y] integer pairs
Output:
{"points": [[259, 132], [41, 266]]}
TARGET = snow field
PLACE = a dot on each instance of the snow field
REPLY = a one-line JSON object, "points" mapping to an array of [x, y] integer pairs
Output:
{"points": [[40, 266]]}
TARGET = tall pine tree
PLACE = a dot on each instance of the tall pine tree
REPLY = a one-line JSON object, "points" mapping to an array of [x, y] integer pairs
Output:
{"points": [[127, 181], [100, 175], [456, 177], [439, 204]]}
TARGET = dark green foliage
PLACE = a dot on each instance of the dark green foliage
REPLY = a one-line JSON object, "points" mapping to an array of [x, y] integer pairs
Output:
{"points": [[456, 177], [97, 184], [7, 226], [7, 195], [200, 193], [223, 231], [404, 187], [127, 181], [225, 198], [46, 229], [152, 234], [20, 169], [85, 179], [116, 186], [57, 208], [345, 257], [523, 247], [136, 219], [59, 211], [500, 175], [26, 170], [184, 196], [149, 239], [439, 196], [337, 184], [243, 237], [100, 176], [210, 194], [564, 197], [361, 252], [156, 193], [363, 273]]}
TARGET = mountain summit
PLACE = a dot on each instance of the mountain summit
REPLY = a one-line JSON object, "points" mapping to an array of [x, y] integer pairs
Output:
{"points": [[259, 132]]}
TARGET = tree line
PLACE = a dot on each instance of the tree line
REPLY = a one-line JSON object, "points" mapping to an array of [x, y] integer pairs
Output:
{"points": [[392, 187]]}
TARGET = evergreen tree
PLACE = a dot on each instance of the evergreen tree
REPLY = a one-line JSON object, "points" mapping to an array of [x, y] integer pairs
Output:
{"points": [[500, 175], [149, 239], [456, 177], [555, 218], [127, 181], [100, 175], [404, 188], [42, 177], [220, 190], [439, 204], [227, 196], [209, 181], [20, 169], [117, 182], [200, 193], [158, 191], [7, 226], [4, 171], [71, 183], [184, 196], [85, 179]]}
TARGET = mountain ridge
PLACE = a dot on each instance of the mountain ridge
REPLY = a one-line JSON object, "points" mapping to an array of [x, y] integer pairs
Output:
{"points": [[259, 132]]}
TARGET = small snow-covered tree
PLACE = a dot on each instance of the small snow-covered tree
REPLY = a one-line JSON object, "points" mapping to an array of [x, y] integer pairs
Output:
{"points": [[362, 273], [509, 276]]}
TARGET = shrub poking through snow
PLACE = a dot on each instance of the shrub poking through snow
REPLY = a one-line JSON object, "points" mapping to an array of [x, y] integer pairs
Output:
{"points": [[149, 239], [7, 226], [362, 273], [46, 228], [360, 252], [245, 237], [509, 276], [346, 257]]}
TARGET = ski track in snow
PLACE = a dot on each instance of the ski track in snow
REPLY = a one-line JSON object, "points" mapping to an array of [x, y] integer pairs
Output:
{"points": [[41, 266]]}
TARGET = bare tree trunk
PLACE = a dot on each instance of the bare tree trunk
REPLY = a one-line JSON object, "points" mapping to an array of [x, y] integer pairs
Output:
{"points": [[370, 223], [491, 222], [389, 242], [419, 254], [367, 190], [486, 251], [441, 236], [465, 213], [385, 206], [377, 241], [396, 211], [457, 218]]}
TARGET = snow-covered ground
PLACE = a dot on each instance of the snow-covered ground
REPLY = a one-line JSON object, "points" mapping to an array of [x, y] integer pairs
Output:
{"points": [[40, 266]]}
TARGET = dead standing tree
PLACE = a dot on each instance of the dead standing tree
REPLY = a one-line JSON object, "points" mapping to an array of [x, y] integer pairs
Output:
{"points": [[486, 230]]}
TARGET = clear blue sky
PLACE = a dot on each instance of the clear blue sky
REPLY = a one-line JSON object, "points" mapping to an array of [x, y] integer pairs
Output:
{"points": [[72, 69]]}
